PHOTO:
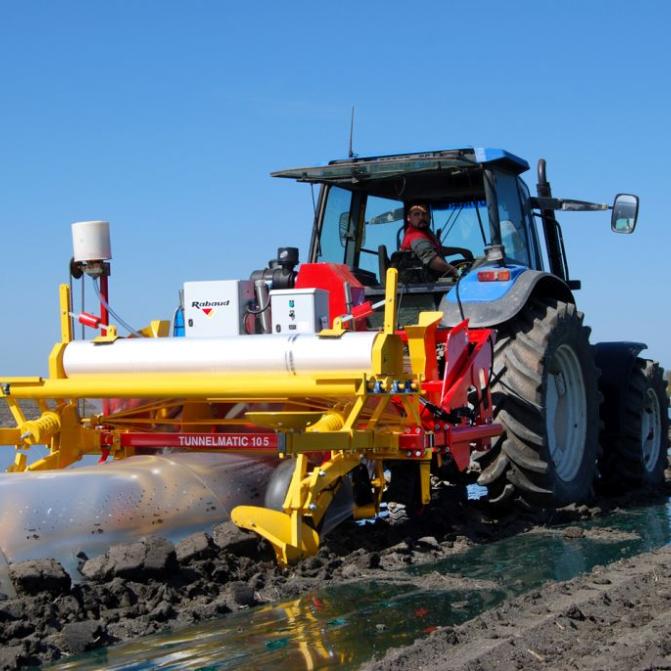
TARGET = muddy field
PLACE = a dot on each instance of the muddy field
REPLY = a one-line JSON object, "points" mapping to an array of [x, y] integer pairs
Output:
{"points": [[613, 618], [616, 618], [138, 589]]}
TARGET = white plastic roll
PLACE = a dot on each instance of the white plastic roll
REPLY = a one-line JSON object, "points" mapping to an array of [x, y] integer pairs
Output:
{"points": [[91, 241], [291, 355]]}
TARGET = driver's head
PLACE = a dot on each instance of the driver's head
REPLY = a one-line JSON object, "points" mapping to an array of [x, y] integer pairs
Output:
{"points": [[417, 215]]}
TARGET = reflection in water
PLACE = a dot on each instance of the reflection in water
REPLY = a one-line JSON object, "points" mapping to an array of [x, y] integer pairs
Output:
{"points": [[523, 562], [347, 625]]}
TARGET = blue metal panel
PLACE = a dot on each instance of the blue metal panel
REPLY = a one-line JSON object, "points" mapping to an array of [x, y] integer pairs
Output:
{"points": [[473, 290], [493, 155]]}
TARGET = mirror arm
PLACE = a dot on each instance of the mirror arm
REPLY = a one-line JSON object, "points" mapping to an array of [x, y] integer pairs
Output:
{"points": [[542, 203], [567, 205]]}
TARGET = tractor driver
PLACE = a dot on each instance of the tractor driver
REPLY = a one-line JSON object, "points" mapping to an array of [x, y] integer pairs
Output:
{"points": [[419, 238]]}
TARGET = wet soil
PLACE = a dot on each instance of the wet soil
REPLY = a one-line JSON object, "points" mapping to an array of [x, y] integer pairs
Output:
{"points": [[616, 617], [151, 585]]}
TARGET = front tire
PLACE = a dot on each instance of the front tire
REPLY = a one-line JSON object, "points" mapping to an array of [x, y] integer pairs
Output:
{"points": [[546, 396]]}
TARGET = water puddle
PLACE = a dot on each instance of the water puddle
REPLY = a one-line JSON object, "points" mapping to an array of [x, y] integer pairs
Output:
{"points": [[347, 625]]}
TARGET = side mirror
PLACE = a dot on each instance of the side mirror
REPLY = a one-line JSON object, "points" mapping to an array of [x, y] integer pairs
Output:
{"points": [[343, 228], [625, 213]]}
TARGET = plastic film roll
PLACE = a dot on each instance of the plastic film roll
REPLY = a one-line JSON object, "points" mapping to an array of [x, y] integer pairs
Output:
{"points": [[291, 355]]}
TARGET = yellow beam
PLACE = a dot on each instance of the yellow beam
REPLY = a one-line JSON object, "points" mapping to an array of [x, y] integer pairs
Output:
{"points": [[411, 407], [185, 385], [319, 485], [336, 441], [280, 420], [50, 462], [355, 411], [65, 319], [141, 421], [17, 412], [390, 294], [425, 481], [19, 464], [381, 406], [56, 355], [15, 381], [9, 436]]}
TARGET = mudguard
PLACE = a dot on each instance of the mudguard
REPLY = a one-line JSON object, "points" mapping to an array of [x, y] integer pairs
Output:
{"points": [[616, 361], [489, 304]]}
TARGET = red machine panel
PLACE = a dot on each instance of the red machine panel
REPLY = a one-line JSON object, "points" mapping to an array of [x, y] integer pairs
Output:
{"points": [[332, 277]]}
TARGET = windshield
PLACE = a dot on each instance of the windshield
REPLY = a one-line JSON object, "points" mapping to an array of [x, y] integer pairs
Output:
{"points": [[365, 231], [464, 224]]}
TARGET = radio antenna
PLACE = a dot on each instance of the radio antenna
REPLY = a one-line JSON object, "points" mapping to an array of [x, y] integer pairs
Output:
{"points": [[350, 153]]}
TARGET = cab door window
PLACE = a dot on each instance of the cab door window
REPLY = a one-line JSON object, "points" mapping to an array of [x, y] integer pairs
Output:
{"points": [[532, 235], [511, 220], [383, 219], [337, 228]]}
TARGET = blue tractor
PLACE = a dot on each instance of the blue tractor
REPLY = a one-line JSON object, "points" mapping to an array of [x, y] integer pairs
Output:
{"points": [[576, 415]]}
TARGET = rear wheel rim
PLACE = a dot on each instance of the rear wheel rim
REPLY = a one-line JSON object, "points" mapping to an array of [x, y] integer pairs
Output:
{"points": [[651, 431], [566, 413]]}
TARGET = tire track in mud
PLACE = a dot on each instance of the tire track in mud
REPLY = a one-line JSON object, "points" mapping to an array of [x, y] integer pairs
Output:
{"points": [[616, 617]]}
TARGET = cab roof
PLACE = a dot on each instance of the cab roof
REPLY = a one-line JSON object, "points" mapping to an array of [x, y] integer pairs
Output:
{"points": [[353, 170]]}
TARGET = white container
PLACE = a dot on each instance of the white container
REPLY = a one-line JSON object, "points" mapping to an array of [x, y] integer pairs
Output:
{"points": [[91, 241], [299, 310], [216, 308]]}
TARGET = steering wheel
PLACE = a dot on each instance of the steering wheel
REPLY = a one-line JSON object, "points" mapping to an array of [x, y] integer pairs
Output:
{"points": [[461, 263], [462, 251]]}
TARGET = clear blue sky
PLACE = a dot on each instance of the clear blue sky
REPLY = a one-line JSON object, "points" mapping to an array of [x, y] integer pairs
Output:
{"points": [[165, 118]]}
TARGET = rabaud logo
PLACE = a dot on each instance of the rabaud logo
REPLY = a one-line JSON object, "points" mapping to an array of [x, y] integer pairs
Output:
{"points": [[208, 307]]}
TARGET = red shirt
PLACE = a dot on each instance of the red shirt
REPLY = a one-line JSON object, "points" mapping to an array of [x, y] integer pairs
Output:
{"points": [[413, 234]]}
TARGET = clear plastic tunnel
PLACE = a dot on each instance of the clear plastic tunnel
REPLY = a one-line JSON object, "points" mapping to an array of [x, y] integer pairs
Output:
{"points": [[57, 514]]}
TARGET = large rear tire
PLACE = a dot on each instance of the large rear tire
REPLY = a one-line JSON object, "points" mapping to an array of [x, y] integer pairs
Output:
{"points": [[635, 450], [546, 396]]}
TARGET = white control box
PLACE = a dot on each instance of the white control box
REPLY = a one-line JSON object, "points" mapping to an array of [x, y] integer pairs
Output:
{"points": [[299, 310], [217, 308]]}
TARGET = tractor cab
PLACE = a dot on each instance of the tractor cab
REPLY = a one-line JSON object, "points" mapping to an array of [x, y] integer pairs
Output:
{"points": [[480, 211], [479, 207]]}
